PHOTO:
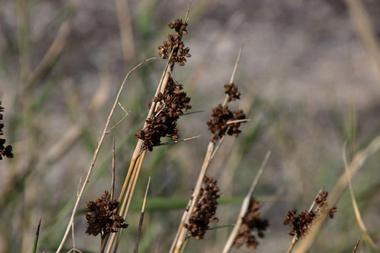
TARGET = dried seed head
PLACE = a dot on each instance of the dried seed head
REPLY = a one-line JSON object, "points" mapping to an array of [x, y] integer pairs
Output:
{"points": [[321, 199], [205, 209], [222, 118], [174, 44], [218, 123], [232, 91], [5, 150], [300, 224], [102, 217], [179, 26], [252, 222], [170, 106]]}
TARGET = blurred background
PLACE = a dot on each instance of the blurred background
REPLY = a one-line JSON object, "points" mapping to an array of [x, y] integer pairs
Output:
{"points": [[308, 82]]}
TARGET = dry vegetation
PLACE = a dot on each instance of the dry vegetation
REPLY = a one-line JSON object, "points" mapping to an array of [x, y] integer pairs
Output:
{"points": [[78, 144]]}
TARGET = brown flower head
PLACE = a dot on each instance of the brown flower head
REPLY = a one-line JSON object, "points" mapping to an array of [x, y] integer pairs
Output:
{"points": [[232, 91], [252, 222], [174, 44], [179, 26], [102, 217], [205, 209], [223, 120], [300, 223], [5, 150], [220, 124], [170, 106]]}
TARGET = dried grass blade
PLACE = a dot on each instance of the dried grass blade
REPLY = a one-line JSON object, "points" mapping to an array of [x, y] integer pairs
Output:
{"points": [[35, 245], [358, 216], [142, 214], [356, 247]]}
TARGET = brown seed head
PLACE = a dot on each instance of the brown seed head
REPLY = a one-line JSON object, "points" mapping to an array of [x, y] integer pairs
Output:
{"points": [[174, 44], [205, 209], [5, 150], [102, 217], [218, 123], [170, 106], [232, 91], [300, 223], [252, 222]]}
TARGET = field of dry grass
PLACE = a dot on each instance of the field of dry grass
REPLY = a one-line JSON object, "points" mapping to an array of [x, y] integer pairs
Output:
{"points": [[309, 78]]}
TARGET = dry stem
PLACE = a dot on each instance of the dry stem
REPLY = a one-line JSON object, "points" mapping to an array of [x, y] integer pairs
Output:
{"points": [[136, 162], [244, 207], [355, 206], [142, 214]]}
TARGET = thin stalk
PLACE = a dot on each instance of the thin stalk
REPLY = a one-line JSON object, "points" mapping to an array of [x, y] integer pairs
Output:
{"points": [[35, 245], [358, 216], [113, 170], [245, 206], [356, 247], [141, 221]]}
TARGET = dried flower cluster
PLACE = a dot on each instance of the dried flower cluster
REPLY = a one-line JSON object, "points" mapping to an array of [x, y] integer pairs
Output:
{"points": [[205, 209], [232, 91], [174, 44], [5, 150], [219, 123], [222, 118], [170, 106], [252, 221], [300, 223], [102, 217]]}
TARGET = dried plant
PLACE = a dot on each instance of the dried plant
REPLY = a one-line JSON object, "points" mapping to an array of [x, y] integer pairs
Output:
{"points": [[220, 127], [5, 150], [174, 48], [252, 222], [172, 104], [205, 209], [301, 223], [169, 103], [249, 219], [95, 156], [102, 217]]}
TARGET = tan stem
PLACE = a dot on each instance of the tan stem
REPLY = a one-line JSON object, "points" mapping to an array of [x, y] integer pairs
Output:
{"points": [[181, 232], [134, 169]]}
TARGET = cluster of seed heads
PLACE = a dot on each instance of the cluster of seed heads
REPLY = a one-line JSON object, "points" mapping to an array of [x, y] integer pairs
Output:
{"points": [[171, 104], [222, 118], [205, 209], [102, 217], [232, 91], [252, 222], [173, 47], [5, 150], [300, 223]]}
